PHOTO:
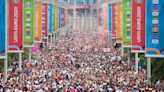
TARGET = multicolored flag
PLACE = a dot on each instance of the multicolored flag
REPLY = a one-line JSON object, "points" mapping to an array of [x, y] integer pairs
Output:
{"points": [[15, 26], [28, 23], [154, 28]]}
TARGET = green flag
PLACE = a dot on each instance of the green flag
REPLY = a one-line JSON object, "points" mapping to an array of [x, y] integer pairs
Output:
{"points": [[28, 23], [127, 22]]}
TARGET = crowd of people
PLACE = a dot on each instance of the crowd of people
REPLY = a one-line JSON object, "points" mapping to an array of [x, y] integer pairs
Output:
{"points": [[66, 69]]}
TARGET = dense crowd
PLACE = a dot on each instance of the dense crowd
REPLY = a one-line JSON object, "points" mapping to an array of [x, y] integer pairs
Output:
{"points": [[67, 69]]}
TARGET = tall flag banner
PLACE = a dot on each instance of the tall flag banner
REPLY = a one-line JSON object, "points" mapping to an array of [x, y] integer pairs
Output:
{"points": [[28, 23], [62, 17], [113, 21], [110, 19], [127, 22], [53, 18], [59, 17], [49, 18], [138, 26], [36, 47], [65, 16], [56, 16], [119, 21], [154, 28], [100, 17], [2, 29], [105, 19], [15, 26], [38, 21], [44, 20]]}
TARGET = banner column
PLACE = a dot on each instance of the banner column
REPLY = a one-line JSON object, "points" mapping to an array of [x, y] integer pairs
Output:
{"points": [[51, 37], [136, 62], [122, 50], [5, 69], [29, 54], [148, 68], [20, 61]]}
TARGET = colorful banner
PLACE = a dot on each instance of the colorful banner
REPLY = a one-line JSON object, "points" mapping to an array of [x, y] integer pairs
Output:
{"points": [[49, 18], [53, 18], [105, 17], [119, 21], [113, 21], [28, 23], [100, 17], [62, 17], [56, 16], [15, 26], [59, 17], [110, 19], [44, 20], [127, 22], [138, 26], [36, 47], [38, 21], [2, 29], [65, 16], [154, 28]]}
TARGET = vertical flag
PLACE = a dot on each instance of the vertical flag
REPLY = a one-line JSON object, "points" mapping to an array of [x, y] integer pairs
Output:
{"points": [[56, 16], [2, 29], [38, 21], [127, 22], [15, 26], [105, 9], [53, 19], [44, 20], [100, 17], [28, 23], [110, 19], [114, 21], [138, 26], [119, 21], [59, 17], [65, 16], [155, 28], [49, 18]]}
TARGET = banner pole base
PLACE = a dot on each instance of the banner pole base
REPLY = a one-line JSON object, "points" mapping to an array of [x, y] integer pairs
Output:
{"points": [[5, 69], [136, 62], [148, 68], [20, 61], [29, 54]]}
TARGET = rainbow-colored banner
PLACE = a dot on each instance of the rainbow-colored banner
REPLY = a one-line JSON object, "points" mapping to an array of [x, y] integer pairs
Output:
{"points": [[154, 28]]}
